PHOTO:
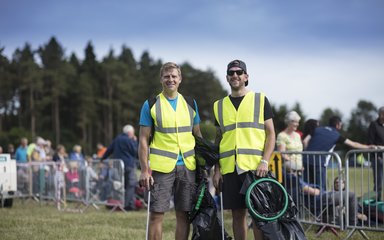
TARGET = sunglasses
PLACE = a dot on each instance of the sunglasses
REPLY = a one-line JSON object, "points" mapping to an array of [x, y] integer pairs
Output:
{"points": [[238, 72]]}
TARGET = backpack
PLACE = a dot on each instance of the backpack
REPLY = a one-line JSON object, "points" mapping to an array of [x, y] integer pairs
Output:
{"points": [[152, 100]]}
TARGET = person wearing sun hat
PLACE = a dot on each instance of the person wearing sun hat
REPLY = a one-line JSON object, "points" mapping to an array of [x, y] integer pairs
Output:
{"points": [[246, 138]]}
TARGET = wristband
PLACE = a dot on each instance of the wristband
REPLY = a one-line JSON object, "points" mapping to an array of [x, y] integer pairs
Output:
{"points": [[264, 161]]}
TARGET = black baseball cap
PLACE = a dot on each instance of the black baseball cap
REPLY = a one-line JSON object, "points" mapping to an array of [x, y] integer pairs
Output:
{"points": [[239, 64]]}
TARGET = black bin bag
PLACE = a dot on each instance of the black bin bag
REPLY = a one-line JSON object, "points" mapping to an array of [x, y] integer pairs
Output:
{"points": [[204, 218], [207, 153], [271, 208]]}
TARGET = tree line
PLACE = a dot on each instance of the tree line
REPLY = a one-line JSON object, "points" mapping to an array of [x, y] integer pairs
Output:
{"points": [[45, 93]]}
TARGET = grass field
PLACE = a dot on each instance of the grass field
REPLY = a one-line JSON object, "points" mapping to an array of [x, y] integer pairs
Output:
{"points": [[31, 220]]}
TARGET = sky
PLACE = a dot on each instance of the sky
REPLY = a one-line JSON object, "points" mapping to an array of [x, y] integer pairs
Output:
{"points": [[321, 54]]}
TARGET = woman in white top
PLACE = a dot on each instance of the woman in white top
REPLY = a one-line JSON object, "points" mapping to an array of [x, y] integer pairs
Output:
{"points": [[289, 139]]}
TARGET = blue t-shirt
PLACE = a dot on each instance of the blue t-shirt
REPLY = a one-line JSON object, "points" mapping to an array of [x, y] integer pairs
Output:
{"points": [[21, 154], [146, 119], [324, 139]]}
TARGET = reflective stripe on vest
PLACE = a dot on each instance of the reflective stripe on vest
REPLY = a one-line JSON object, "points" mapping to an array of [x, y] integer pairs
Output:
{"points": [[172, 135], [159, 127], [254, 124], [243, 141]]}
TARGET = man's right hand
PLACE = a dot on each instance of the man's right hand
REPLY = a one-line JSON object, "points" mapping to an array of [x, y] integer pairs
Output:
{"points": [[217, 180], [146, 180]]}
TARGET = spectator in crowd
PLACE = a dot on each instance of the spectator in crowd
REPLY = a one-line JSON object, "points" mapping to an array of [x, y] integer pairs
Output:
{"points": [[173, 119], [22, 171], [30, 149], [60, 154], [73, 178], [38, 155], [124, 147], [91, 176], [21, 151], [49, 150], [339, 184], [309, 128], [1, 149], [38, 152], [100, 150], [11, 150], [376, 137], [110, 182], [59, 182], [77, 155], [289, 139], [324, 139], [314, 196], [246, 138]]}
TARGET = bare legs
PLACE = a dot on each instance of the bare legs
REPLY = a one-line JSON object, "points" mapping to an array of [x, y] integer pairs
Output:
{"points": [[156, 226], [239, 225], [182, 226]]}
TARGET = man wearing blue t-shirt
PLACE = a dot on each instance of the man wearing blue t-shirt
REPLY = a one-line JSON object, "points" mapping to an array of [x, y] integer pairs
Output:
{"points": [[324, 139], [168, 160], [21, 152]]}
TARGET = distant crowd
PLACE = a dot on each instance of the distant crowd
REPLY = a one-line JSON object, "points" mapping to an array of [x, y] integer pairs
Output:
{"points": [[41, 150]]}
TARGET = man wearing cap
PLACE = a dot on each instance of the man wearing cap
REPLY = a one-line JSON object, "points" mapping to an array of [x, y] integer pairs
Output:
{"points": [[172, 121], [246, 138]]}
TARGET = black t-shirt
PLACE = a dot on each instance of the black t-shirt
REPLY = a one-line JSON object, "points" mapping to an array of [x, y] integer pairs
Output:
{"points": [[268, 114]]}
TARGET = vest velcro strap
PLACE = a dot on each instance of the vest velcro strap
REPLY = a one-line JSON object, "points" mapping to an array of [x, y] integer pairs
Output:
{"points": [[250, 125], [189, 153], [249, 151], [163, 153], [173, 130], [227, 154]]}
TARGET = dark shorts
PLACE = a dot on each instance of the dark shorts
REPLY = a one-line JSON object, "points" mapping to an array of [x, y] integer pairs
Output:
{"points": [[232, 198], [180, 184]]}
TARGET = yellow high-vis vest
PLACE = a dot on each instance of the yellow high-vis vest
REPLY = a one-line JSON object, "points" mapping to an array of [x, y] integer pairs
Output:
{"points": [[172, 135], [243, 132]]}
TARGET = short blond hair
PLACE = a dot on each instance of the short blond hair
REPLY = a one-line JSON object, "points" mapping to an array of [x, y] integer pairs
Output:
{"points": [[168, 66]]}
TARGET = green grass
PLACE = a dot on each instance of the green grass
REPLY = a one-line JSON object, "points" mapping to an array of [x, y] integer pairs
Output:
{"points": [[33, 221]]}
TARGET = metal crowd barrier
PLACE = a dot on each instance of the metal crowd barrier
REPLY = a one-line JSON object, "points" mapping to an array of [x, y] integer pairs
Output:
{"points": [[360, 168], [319, 205], [91, 184], [108, 188]]}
